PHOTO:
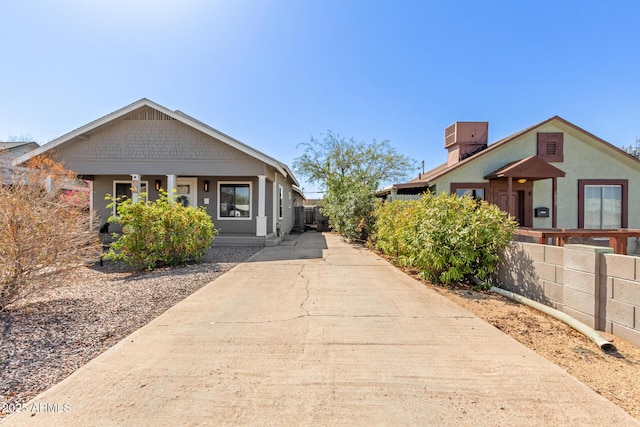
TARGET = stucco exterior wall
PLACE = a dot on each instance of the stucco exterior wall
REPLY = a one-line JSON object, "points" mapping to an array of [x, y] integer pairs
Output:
{"points": [[490, 161], [593, 161], [584, 158]]}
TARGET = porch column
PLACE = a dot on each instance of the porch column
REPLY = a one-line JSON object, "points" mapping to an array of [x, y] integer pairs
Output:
{"points": [[48, 184], [509, 191], [171, 187], [135, 187], [261, 219], [90, 203], [275, 203], [554, 203]]}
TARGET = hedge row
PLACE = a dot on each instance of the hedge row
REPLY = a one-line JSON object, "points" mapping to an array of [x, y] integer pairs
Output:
{"points": [[446, 237]]}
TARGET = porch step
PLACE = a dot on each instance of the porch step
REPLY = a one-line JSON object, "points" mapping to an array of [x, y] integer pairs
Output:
{"points": [[227, 240]]}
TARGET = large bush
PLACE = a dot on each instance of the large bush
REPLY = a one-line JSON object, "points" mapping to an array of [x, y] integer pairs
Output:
{"points": [[350, 207], [446, 237], [45, 229], [161, 232]]}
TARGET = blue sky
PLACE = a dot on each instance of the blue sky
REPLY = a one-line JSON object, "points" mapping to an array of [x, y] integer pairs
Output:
{"points": [[273, 73]]}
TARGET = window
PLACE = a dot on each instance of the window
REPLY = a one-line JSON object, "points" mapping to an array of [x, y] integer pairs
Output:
{"points": [[235, 200], [602, 204], [476, 190], [476, 193], [281, 201], [550, 146], [122, 190]]}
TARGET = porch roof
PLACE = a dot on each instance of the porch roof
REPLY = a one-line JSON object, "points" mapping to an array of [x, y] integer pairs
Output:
{"points": [[531, 168]]}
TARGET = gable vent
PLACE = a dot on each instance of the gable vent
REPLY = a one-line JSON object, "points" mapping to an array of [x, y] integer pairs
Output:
{"points": [[552, 148], [149, 114]]}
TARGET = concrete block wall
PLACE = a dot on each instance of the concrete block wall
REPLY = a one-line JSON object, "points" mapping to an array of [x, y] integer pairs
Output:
{"points": [[590, 283], [583, 291], [622, 280], [534, 271]]}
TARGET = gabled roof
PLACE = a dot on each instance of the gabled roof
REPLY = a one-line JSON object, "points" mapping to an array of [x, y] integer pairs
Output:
{"points": [[176, 115], [428, 177], [9, 150], [532, 168], [12, 145]]}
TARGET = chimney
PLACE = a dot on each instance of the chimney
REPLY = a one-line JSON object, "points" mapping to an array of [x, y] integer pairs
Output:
{"points": [[464, 139]]}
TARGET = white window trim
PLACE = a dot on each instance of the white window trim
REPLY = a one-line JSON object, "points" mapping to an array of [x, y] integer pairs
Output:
{"points": [[280, 202], [130, 182], [289, 200], [235, 218]]}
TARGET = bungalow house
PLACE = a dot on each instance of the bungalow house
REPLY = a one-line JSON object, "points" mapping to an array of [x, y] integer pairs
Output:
{"points": [[144, 147], [550, 175]]}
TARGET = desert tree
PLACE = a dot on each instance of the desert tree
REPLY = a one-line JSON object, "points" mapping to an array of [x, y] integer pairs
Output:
{"points": [[350, 172]]}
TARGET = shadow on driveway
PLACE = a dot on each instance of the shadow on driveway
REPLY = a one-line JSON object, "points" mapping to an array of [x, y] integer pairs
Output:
{"points": [[308, 245]]}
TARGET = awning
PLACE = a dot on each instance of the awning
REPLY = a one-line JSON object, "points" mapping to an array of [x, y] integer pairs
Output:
{"points": [[531, 168]]}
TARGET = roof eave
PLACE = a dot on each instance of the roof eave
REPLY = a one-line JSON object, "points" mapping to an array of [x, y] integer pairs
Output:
{"points": [[177, 115]]}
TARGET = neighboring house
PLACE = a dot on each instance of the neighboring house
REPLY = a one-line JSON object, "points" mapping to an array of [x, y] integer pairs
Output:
{"points": [[11, 150], [551, 175], [8, 152], [145, 147]]}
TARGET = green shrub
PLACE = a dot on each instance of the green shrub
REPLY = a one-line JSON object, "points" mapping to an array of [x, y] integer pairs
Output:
{"points": [[350, 208], [161, 232], [446, 237]]}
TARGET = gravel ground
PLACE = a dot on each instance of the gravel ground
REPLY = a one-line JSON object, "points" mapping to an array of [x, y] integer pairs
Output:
{"points": [[46, 337]]}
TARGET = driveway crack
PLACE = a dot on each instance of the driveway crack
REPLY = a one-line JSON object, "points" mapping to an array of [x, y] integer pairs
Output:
{"points": [[306, 287]]}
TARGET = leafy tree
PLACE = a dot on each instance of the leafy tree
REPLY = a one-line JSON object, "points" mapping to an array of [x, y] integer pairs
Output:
{"points": [[160, 232], [350, 172], [45, 229]]}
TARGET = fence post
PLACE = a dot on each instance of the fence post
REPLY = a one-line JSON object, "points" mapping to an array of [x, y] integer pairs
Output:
{"points": [[583, 291]]}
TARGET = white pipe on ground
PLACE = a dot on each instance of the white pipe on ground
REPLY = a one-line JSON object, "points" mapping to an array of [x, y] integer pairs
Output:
{"points": [[590, 333]]}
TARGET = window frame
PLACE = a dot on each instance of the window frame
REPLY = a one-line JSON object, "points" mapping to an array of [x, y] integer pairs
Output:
{"points": [[145, 184], [484, 186], [624, 202], [234, 218]]}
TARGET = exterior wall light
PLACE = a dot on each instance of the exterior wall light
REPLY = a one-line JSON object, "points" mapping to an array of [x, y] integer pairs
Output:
{"points": [[206, 186], [522, 180], [158, 184]]}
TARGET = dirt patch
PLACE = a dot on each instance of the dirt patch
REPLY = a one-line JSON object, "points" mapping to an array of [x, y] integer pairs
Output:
{"points": [[616, 377]]}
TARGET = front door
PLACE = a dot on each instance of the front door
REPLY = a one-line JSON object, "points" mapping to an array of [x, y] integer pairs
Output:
{"points": [[517, 205], [187, 191]]}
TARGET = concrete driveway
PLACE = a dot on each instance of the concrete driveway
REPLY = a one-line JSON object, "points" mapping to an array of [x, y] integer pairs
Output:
{"points": [[317, 332]]}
